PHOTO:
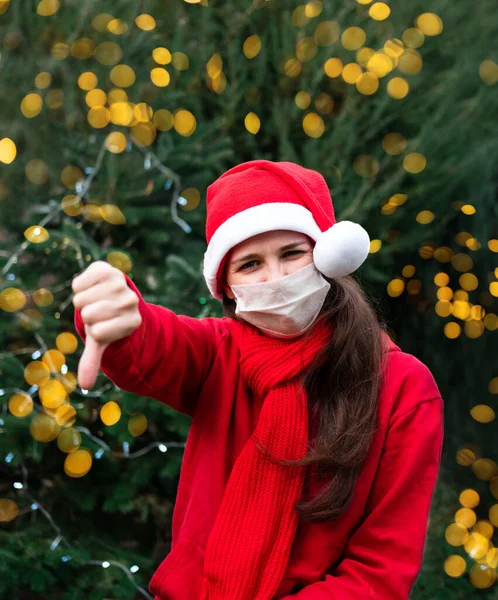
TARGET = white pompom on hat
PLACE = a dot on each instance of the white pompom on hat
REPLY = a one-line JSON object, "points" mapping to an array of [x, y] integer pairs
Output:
{"points": [[261, 195]]}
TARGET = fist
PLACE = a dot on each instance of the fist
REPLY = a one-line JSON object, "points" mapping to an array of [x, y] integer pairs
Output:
{"points": [[109, 310]]}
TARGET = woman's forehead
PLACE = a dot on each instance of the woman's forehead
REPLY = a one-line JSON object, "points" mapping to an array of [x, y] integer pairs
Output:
{"points": [[271, 238]]}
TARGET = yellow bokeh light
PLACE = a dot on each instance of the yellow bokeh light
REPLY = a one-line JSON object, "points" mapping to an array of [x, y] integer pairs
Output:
{"points": [[117, 27], [469, 498], [52, 394], [31, 105], [252, 46], [113, 214], [456, 534], [488, 72], [327, 33], [37, 172], [485, 469], [122, 76], [429, 24], [110, 413], [12, 299], [43, 80], [47, 8], [366, 165], [20, 405], [120, 260], [160, 77], [454, 566], [302, 100], [394, 143], [137, 425], [66, 342], [71, 175], [192, 197], [36, 234], [413, 37], [54, 359], [143, 133], [299, 16], [292, 67], [482, 577], [466, 517], [72, 205], [8, 151], [306, 49], [146, 22], [351, 73], [410, 62], [476, 545], [379, 11], [65, 415], [99, 117], [69, 440], [78, 463], [180, 61], [353, 38], [83, 48], [88, 81], [96, 97], [8, 508], [414, 162], [116, 95], [380, 64], [425, 217], [333, 67], [395, 287], [398, 88], [161, 55], [163, 119], [367, 84], [101, 21], [116, 142], [313, 125], [44, 428], [185, 122], [60, 51], [252, 123], [108, 53], [375, 246], [121, 113]]}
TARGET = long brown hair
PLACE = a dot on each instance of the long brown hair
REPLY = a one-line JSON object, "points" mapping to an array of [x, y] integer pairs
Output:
{"points": [[343, 386]]}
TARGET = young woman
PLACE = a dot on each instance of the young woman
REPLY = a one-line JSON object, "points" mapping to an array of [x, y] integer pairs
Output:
{"points": [[315, 441]]}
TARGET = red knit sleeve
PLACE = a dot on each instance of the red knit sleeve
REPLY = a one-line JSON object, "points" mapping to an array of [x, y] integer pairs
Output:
{"points": [[166, 358], [384, 555]]}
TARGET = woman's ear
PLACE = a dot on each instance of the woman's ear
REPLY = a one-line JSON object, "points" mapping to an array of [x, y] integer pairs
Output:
{"points": [[228, 291]]}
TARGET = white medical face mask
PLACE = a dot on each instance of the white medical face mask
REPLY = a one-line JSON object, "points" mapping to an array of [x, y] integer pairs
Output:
{"points": [[285, 308]]}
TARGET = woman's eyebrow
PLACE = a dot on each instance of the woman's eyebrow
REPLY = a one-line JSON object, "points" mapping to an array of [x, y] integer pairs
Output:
{"points": [[255, 254]]}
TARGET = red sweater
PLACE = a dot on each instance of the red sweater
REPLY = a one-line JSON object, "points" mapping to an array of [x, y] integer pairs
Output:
{"points": [[374, 551]]}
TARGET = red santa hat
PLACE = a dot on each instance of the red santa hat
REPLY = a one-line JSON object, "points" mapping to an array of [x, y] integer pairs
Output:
{"points": [[261, 195]]}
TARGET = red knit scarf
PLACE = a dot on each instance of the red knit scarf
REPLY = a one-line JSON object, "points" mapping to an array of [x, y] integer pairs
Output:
{"points": [[249, 545]]}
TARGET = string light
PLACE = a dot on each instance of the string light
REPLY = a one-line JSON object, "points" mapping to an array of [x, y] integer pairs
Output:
{"points": [[35, 505]]}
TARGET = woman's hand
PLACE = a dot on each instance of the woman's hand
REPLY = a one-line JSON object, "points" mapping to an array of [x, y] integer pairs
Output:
{"points": [[109, 310]]}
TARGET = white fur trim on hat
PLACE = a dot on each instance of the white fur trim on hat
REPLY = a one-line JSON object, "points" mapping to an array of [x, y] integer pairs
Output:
{"points": [[341, 249], [253, 221]]}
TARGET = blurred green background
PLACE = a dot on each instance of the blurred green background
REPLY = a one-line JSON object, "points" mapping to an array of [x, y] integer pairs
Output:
{"points": [[115, 117]]}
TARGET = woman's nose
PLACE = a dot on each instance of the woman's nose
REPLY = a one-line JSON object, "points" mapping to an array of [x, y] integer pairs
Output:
{"points": [[274, 273]]}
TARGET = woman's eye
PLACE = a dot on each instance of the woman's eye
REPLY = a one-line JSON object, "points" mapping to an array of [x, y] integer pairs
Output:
{"points": [[246, 266], [243, 267]]}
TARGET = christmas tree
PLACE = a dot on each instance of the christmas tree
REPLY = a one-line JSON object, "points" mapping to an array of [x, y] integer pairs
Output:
{"points": [[115, 118]]}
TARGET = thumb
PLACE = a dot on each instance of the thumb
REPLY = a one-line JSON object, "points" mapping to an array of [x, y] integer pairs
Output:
{"points": [[89, 365]]}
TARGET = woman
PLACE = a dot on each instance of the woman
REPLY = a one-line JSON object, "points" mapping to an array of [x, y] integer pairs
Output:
{"points": [[315, 441]]}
